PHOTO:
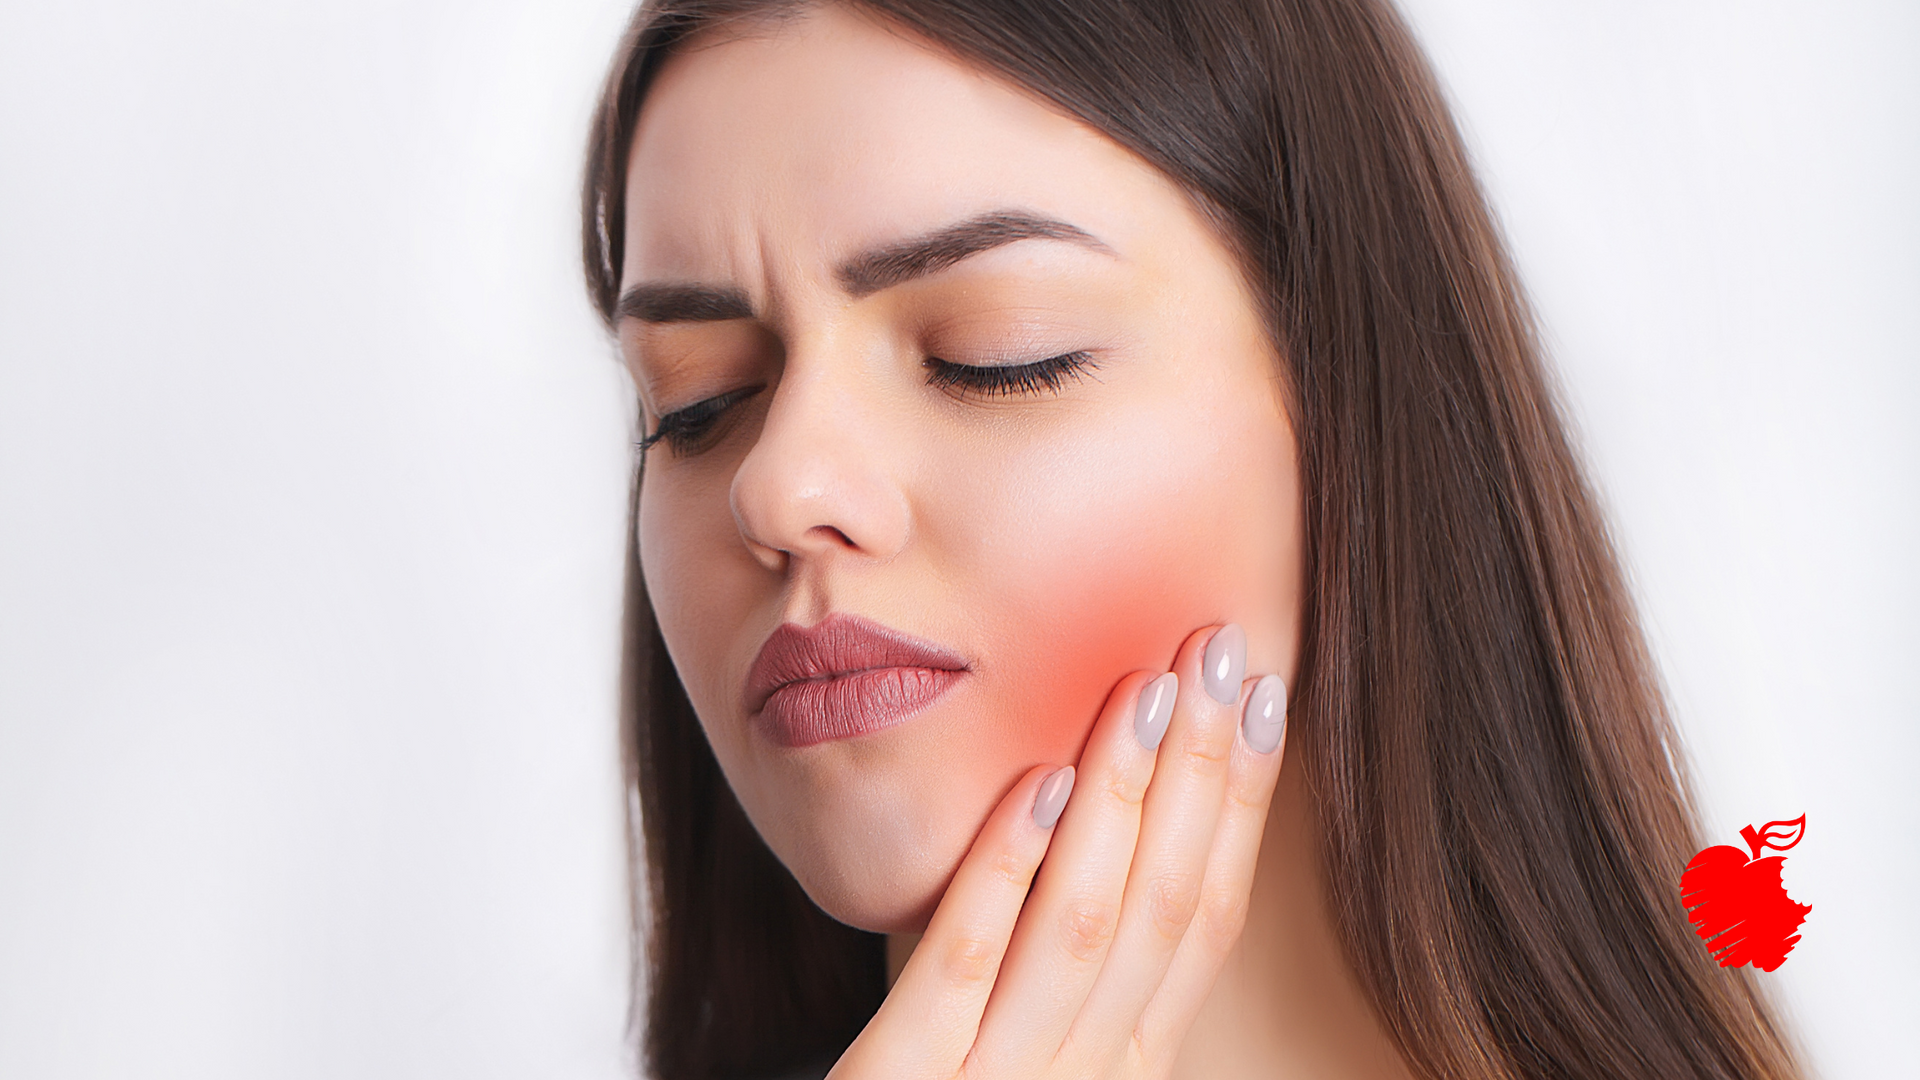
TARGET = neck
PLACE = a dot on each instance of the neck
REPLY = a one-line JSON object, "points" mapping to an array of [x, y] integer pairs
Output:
{"points": [[899, 947], [1287, 1002]]}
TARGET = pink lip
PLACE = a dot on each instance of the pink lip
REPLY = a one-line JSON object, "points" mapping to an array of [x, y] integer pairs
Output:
{"points": [[842, 677]]}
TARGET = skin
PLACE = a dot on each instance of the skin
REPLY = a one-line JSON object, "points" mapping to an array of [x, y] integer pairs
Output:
{"points": [[1070, 543]]}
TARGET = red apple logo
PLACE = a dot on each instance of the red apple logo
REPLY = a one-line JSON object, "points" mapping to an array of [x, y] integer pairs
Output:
{"points": [[1738, 906]]}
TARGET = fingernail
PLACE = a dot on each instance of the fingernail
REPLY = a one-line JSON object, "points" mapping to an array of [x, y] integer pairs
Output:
{"points": [[1053, 798], [1225, 664], [1155, 709], [1266, 718]]}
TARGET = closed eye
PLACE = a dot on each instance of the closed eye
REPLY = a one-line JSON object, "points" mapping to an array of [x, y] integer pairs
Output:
{"points": [[1004, 380], [689, 430]]}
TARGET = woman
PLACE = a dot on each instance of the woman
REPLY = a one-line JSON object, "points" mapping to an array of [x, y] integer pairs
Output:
{"points": [[1057, 418]]}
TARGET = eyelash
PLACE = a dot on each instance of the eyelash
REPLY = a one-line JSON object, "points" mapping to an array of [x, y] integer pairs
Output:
{"points": [[686, 430], [1005, 380]]}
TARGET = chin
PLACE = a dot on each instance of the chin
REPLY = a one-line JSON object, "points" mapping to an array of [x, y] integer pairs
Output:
{"points": [[889, 906], [871, 873]]}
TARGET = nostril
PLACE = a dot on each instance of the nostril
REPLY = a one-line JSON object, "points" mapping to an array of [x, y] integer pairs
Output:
{"points": [[774, 559], [834, 532]]}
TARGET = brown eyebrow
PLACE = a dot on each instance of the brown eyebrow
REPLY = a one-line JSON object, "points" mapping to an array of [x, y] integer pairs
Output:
{"points": [[683, 303], [892, 264], [866, 273]]}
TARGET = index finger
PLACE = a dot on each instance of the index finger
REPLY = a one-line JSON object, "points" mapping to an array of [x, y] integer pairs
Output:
{"points": [[929, 1019]]}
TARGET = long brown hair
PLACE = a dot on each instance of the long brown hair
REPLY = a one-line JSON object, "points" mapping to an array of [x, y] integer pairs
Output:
{"points": [[1503, 803]]}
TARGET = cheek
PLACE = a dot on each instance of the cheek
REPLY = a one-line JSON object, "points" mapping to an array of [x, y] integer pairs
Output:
{"points": [[1090, 618], [1104, 551], [700, 580]]}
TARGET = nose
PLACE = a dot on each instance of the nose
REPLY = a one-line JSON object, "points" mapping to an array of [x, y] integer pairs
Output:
{"points": [[817, 485]]}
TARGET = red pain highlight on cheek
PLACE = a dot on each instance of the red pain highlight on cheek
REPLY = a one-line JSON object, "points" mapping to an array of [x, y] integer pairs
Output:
{"points": [[1091, 622]]}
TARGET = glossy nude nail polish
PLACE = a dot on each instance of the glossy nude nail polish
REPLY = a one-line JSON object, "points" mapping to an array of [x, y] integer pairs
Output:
{"points": [[1052, 798], [1155, 709], [1266, 717], [1225, 664]]}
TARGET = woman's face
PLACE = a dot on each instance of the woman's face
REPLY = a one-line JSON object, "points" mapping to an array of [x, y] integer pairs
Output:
{"points": [[836, 235]]}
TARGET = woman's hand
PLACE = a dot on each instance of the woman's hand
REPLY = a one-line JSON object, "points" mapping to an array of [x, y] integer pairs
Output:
{"points": [[1098, 970]]}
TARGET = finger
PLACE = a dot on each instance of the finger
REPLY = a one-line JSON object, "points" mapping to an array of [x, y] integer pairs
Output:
{"points": [[1178, 821], [929, 1019], [1255, 768], [1069, 920]]}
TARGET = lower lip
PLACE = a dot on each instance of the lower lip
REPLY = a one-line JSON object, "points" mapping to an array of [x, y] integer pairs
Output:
{"points": [[840, 707]]}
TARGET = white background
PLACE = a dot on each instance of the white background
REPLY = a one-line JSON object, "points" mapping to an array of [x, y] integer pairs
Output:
{"points": [[312, 466]]}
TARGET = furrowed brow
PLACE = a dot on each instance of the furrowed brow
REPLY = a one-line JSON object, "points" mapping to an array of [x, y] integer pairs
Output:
{"points": [[892, 264]]}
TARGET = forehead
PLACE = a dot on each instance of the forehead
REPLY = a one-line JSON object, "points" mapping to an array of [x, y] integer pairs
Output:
{"points": [[811, 138]]}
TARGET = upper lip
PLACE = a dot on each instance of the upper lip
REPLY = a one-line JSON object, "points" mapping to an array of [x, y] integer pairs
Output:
{"points": [[837, 645]]}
